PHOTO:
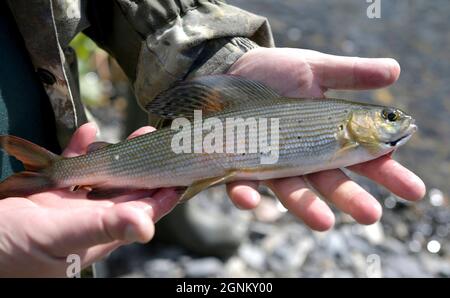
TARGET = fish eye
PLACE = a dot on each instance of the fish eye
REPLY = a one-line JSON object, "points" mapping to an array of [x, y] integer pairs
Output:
{"points": [[390, 114]]}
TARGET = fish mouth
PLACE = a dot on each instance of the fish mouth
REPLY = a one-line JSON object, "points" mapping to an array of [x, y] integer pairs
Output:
{"points": [[403, 139]]}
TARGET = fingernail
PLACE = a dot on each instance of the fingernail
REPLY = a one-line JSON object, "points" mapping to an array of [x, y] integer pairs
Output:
{"points": [[94, 125], [378, 208], [255, 198], [252, 201], [390, 73], [131, 234], [148, 210], [393, 62], [419, 185]]}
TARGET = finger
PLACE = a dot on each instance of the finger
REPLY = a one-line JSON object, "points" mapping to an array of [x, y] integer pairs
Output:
{"points": [[393, 176], [127, 195], [302, 202], [82, 228], [80, 140], [64, 199], [244, 194], [158, 205], [129, 224], [338, 72], [347, 195], [99, 252], [141, 131]]}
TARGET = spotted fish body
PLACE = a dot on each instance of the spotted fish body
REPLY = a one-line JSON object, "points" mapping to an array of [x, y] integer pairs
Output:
{"points": [[308, 139], [314, 135]]}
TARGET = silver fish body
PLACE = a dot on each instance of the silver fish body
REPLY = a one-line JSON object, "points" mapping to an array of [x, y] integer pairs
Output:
{"points": [[309, 140], [312, 135]]}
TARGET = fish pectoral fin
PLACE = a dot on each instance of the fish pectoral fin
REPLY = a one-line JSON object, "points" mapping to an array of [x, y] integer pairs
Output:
{"points": [[345, 147], [209, 94], [200, 185], [97, 145]]}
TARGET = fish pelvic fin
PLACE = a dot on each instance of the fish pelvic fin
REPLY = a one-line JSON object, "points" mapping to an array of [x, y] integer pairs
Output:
{"points": [[35, 159], [201, 185]]}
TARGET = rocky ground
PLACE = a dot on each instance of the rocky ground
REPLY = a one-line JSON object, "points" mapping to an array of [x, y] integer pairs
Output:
{"points": [[412, 240]]}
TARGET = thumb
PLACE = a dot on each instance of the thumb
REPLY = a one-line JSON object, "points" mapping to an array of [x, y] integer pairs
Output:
{"points": [[81, 139], [353, 73], [86, 227]]}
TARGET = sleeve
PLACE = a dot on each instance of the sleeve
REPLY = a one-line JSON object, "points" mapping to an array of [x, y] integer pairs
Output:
{"points": [[157, 42]]}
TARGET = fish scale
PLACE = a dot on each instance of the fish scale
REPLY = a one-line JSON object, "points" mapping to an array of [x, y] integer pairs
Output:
{"points": [[153, 157]]}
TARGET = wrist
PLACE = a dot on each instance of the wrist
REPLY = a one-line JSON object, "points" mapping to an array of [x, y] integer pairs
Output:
{"points": [[219, 55], [245, 62]]}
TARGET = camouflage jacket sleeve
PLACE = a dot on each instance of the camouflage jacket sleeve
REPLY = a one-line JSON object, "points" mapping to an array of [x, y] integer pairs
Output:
{"points": [[155, 41], [158, 42]]}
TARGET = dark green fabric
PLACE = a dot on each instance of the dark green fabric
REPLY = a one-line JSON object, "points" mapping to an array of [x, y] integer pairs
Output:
{"points": [[25, 110]]}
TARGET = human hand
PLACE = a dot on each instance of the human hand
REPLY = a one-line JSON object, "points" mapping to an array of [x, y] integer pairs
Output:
{"points": [[38, 232], [307, 73]]}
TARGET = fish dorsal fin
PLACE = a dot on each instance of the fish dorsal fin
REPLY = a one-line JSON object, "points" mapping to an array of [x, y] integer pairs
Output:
{"points": [[209, 94]]}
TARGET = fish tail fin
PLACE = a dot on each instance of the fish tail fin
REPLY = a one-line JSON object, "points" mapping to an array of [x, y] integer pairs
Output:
{"points": [[35, 160]]}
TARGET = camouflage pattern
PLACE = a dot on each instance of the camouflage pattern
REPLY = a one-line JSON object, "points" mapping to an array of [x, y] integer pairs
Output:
{"points": [[156, 42]]}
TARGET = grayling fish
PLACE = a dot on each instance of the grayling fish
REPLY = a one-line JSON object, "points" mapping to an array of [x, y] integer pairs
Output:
{"points": [[314, 135]]}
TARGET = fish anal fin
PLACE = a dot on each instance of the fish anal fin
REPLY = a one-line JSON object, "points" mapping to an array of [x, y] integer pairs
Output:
{"points": [[201, 185]]}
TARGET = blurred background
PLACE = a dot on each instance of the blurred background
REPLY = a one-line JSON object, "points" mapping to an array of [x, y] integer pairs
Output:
{"points": [[412, 240]]}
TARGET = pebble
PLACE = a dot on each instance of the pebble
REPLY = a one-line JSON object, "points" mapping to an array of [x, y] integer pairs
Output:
{"points": [[203, 267], [162, 268], [434, 246], [402, 266], [253, 256], [267, 210], [436, 197], [374, 233]]}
